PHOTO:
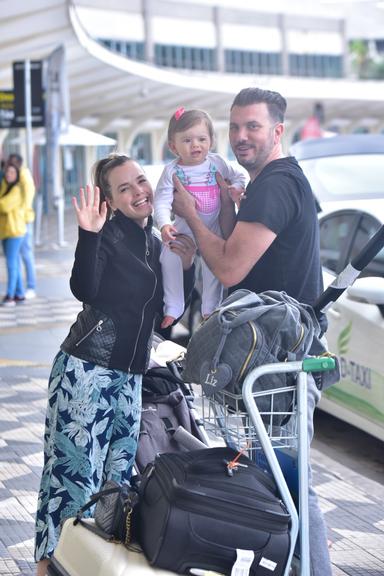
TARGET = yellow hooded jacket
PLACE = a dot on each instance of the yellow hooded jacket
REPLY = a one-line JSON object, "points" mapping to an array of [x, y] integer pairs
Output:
{"points": [[12, 211], [28, 188]]}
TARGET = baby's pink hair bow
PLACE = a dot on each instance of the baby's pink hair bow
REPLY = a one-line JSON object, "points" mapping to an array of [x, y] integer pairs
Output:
{"points": [[179, 112]]}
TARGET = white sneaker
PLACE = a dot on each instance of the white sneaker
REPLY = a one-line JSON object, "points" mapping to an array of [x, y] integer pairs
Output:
{"points": [[30, 293]]}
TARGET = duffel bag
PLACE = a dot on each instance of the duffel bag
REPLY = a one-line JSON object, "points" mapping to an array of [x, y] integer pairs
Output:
{"points": [[203, 509], [246, 331]]}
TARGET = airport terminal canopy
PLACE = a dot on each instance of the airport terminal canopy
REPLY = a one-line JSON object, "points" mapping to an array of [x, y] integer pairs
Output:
{"points": [[107, 89]]}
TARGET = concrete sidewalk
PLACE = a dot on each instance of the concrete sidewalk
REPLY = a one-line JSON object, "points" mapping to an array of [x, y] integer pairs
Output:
{"points": [[30, 335]]}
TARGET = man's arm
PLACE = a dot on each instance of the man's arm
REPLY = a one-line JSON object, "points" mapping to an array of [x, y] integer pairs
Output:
{"points": [[227, 216], [232, 259]]}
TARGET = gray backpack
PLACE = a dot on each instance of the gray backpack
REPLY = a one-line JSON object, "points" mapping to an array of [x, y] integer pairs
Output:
{"points": [[246, 331]]}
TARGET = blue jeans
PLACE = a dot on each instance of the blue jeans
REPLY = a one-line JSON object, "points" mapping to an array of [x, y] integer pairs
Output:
{"points": [[28, 258], [91, 432], [11, 247]]}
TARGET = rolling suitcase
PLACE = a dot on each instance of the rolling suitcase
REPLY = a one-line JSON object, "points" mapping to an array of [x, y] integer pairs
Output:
{"points": [[208, 509]]}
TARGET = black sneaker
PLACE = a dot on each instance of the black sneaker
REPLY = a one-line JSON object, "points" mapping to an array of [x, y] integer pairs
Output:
{"points": [[19, 299], [8, 301]]}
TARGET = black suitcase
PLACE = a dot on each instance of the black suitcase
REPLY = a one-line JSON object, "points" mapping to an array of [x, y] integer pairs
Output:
{"points": [[196, 511]]}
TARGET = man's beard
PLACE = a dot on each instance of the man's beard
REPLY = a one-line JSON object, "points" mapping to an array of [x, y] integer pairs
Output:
{"points": [[256, 164]]}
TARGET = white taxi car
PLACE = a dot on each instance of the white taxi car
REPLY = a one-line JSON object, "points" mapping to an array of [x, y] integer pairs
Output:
{"points": [[347, 178]]}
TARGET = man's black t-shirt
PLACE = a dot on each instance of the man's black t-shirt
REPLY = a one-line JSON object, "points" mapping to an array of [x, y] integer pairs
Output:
{"points": [[281, 198]]}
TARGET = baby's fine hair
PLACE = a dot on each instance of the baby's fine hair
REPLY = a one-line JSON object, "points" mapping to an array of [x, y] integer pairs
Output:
{"points": [[187, 119]]}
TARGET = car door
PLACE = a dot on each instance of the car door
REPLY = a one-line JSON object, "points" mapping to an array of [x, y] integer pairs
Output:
{"points": [[356, 329]]}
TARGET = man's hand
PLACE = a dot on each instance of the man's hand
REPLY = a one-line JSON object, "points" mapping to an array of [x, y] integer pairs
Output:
{"points": [[185, 247], [183, 202], [90, 215]]}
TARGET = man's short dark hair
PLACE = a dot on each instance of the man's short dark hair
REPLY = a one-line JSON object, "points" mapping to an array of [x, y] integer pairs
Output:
{"points": [[275, 102]]}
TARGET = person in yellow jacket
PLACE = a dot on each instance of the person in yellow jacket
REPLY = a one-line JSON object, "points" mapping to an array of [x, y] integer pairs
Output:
{"points": [[12, 231], [26, 251]]}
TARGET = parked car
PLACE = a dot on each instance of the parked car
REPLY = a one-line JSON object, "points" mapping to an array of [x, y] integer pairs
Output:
{"points": [[347, 177]]}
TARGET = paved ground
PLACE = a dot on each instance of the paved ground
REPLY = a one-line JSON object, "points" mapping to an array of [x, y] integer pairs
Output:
{"points": [[29, 338]]}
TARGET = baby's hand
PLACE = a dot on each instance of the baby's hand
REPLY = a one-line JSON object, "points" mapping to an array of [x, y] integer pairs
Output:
{"points": [[237, 194], [168, 233]]}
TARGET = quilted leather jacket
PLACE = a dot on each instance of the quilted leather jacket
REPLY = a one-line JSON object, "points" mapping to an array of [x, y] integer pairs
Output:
{"points": [[117, 276]]}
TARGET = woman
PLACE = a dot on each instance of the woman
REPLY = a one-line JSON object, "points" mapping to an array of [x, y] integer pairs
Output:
{"points": [[26, 249], [95, 384], [12, 232]]}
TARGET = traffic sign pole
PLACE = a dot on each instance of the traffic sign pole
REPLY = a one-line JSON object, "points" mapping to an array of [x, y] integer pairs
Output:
{"points": [[28, 112]]}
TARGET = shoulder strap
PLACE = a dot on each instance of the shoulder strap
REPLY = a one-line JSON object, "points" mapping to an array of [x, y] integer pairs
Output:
{"points": [[93, 499], [252, 307]]}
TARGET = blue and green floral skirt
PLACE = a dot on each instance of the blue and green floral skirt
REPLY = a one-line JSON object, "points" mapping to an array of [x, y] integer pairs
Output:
{"points": [[91, 432]]}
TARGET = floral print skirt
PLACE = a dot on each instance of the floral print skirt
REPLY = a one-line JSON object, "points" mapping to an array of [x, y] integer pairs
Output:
{"points": [[91, 434]]}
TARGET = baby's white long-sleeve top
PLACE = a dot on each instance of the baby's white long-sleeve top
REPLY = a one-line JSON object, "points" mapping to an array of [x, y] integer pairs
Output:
{"points": [[164, 189]]}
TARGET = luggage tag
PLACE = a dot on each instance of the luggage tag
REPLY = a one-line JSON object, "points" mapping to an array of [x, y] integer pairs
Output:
{"points": [[214, 380], [233, 465], [243, 563]]}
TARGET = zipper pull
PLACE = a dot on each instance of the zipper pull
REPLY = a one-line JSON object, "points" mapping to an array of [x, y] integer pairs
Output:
{"points": [[97, 327]]}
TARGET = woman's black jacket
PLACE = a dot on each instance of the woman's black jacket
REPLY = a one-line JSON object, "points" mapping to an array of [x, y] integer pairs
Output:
{"points": [[117, 276]]}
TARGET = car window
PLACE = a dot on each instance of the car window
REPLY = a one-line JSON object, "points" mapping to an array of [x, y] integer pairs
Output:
{"points": [[336, 231], [367, 227], [346, 177], [343, 234]]}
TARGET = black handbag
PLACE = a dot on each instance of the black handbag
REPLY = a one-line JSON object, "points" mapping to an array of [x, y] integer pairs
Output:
{"points": [[114, 514]]}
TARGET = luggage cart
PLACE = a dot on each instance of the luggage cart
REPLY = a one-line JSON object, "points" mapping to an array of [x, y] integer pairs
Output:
{"points": [[281, 449]]}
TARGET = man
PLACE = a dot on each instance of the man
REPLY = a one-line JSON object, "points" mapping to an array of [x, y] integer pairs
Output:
{"points": [[273, 241], [26, 249]]}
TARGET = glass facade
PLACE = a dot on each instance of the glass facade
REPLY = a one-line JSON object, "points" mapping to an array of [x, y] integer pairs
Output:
{"points": [[141, 148], [236, 61], [380, 46], [246, 62], [185, 57], [133, 50], [316, 65]]}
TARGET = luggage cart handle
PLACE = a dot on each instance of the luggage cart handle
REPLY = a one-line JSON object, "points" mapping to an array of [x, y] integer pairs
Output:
{"points": [[318, 364]]}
